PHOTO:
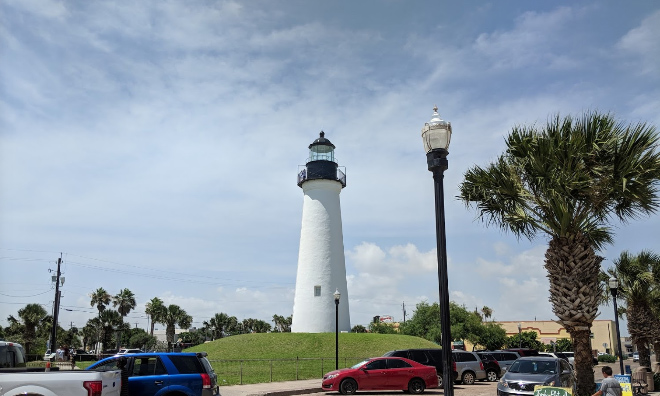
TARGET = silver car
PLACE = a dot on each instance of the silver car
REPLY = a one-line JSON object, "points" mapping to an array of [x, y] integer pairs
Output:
{"points": [[527, 372], [469, 367]]}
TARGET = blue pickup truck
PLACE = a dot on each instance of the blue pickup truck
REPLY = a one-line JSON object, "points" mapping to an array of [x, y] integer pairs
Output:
{"points": [[165, 374]]}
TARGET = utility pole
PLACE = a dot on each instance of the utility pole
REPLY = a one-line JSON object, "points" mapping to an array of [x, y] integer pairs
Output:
{"points": [[56, 307], [404, 312]]}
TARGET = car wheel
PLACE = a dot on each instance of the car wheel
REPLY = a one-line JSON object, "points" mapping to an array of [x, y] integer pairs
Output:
{"points": [[416, 386], [348, 387], [468, 378], [491, 375], [439, 381]]}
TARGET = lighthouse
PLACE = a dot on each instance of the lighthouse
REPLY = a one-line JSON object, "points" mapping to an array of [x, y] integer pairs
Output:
{"points": [[321, 263]]}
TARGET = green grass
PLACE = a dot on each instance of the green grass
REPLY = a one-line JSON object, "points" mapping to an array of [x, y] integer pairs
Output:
{"points": [[265, 357]]}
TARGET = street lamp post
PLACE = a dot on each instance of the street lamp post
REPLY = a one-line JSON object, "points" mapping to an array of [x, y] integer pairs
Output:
{"points": [[519, 336], [614, 286], [436, 135], [337, 297]]}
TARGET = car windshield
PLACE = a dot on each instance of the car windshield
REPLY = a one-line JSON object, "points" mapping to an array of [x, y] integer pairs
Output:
{"points": [[533, 367], [359, 364]]}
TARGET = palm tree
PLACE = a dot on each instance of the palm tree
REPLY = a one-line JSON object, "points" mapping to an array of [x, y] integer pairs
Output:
{"points": [[100, 298], [155, 308], [32, 316], [639, 288], [217, 325], [487, 312], [109, 321], [569, 180], [124, 301], [174, 316]]}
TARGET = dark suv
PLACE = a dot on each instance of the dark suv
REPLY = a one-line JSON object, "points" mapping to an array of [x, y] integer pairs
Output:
{"points": [[491, 366], [429, 357]]}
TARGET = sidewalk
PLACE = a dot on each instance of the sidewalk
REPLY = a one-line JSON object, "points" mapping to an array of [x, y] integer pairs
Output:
{"points": [[285, 388]]}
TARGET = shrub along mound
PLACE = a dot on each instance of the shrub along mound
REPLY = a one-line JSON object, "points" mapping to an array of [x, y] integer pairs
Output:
{"points": [[265, 357]]}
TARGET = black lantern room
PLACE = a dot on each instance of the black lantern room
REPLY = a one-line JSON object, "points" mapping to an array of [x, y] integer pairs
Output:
{"points": [[321, 163]]}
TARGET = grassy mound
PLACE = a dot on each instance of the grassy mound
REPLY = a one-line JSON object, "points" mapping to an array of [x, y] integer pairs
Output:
{"points": [[254, 358], [307, 345]]}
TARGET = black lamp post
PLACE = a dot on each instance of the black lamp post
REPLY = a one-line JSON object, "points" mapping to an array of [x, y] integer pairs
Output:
{"points": [[614, 286], [337, 297], [519, 336], [436, 135]]}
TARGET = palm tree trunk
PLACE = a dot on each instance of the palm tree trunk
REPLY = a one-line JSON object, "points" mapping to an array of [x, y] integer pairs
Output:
{"points": [[573, 268], [583, 358], [644, 353], [656, 348]]}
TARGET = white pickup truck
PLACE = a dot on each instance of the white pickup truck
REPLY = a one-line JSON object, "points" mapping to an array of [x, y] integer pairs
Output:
{"points": [[16, 380], [61, 383]]}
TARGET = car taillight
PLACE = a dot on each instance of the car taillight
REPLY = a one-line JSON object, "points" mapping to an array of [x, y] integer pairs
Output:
{"points": [[481, 365], [453, 366], [206, 381], [94, 388]]}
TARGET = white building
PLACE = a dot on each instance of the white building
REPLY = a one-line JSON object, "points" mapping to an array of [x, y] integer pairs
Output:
{"points": [[321, 263]]}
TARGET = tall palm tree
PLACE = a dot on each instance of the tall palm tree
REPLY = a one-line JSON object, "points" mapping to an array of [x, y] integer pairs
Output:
{"points": [[155, 308], [569, 180], [124, 301], [639, 289], [100, 298], [174, 316], [487, 312], [32, 316]]}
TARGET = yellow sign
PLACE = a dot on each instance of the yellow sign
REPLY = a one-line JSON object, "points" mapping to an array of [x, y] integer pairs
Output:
{"points": [[626, 387], [540, 390]]}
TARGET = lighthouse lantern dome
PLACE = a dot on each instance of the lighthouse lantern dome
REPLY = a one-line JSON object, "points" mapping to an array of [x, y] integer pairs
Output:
{"points": [[322, 149]]}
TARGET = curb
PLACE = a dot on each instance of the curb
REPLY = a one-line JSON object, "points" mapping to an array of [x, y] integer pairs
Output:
{"points": [[289, 392]]}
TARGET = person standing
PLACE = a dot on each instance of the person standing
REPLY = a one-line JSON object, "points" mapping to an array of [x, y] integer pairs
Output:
{"points": [[610, 386], [59, 353]]}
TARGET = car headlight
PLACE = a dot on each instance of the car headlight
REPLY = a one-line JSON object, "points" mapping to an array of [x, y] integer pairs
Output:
{"points": [[550, 383], [331, 376], [503, 382]]}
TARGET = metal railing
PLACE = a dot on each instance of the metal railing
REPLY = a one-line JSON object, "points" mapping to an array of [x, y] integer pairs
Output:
{"points": [[253, 371]]}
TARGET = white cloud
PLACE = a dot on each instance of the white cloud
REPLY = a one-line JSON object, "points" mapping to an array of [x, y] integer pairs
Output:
{"points": [[642, 43]]}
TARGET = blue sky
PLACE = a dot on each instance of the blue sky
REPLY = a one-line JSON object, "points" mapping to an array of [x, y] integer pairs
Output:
{"points": [[156, 145]]}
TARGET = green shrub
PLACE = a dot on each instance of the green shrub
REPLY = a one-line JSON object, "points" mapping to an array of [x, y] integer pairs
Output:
{"points": [[607, 358]]}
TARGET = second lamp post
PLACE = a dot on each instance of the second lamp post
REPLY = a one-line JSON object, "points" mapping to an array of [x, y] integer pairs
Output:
{"points": [[337, 297], [614, 286], [436, 135]]}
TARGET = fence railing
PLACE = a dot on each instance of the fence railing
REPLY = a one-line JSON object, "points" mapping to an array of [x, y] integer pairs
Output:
{"points": [[254, 371]]}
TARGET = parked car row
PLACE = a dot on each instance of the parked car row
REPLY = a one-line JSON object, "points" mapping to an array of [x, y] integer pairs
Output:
{"points": [[408, 370]]}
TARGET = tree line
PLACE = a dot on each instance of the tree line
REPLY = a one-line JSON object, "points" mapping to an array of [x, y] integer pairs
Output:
{"points": [[108, 330]]}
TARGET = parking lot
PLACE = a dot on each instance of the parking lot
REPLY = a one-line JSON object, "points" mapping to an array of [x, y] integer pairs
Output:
{"points": [[313, 387]]}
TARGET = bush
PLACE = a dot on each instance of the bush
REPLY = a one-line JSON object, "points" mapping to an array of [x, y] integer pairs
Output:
{"points": [[607, 358]]}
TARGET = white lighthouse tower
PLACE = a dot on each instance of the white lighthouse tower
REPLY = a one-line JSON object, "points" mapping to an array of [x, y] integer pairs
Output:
{"points": [[321, 264]]}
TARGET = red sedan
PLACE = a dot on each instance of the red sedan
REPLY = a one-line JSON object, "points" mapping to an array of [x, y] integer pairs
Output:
{"points": [[383, 373]]}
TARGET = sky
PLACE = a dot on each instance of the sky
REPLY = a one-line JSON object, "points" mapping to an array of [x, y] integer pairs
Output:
{"points": [[155, 145]]}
